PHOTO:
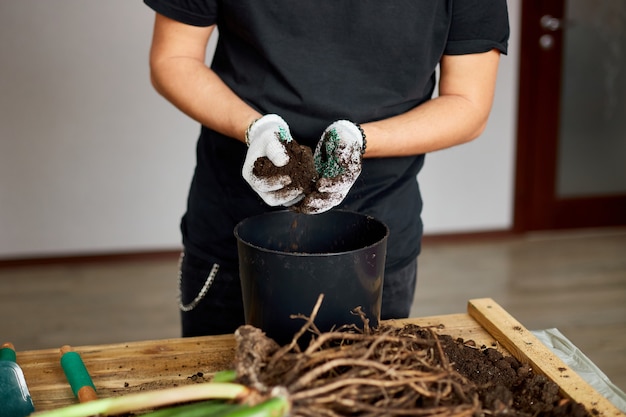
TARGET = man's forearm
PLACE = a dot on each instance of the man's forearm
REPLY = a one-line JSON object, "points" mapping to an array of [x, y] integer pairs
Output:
{"points": [[440, 123], [458, 115]]}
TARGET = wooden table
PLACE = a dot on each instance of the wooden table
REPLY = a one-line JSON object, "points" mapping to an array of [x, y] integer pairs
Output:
{"points": [[122, 368]]}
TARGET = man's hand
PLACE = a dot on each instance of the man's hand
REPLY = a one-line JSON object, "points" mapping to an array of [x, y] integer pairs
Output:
{"points": [[266, 137], [338, 158]]}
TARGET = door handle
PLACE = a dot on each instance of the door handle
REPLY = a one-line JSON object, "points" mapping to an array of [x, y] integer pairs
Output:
{"points": [[550, 23]]}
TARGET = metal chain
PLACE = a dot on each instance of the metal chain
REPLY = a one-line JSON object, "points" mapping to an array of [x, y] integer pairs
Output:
{"points": [[205, 288]]}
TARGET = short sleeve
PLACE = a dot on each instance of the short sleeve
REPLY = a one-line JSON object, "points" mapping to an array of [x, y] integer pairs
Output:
{"points": [[191, 12], [478, 26]]}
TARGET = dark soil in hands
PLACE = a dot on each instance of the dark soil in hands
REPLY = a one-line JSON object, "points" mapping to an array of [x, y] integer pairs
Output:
{"points": [[300, 168]]}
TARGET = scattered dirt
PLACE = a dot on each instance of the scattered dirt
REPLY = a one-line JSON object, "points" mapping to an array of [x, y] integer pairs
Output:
{"points": [[396, 371]]}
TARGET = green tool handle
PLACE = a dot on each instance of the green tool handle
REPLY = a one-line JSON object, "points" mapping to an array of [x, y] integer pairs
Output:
{"points": [[7, 353], [76, 372]]}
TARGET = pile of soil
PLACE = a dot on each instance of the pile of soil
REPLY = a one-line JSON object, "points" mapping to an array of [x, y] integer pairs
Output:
{"points": [[396, 371], [505, 386]]}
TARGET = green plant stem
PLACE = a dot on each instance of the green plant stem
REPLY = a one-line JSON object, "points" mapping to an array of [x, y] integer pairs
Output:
{"points": [[274, 407], [211, 408], [228, 375], [152, 399]]}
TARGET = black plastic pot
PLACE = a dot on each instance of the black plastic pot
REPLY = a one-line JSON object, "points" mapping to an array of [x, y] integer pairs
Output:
{"points": [[287, 259]]}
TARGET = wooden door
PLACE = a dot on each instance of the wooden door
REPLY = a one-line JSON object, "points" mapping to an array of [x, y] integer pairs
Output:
{"points": [[568, 48]]}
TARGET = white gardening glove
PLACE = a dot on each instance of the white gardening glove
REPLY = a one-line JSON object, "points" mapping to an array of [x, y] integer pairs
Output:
{"points": [[338, 158], [266, 138]]}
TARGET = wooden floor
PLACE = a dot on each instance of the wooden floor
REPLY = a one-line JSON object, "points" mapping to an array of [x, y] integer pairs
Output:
{"points": [[573, 280]]}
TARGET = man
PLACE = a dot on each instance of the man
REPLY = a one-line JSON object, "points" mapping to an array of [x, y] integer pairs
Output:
{"points": [[361, 71]]}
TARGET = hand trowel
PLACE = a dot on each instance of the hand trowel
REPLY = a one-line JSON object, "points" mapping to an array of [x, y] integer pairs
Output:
{"points": [[14, 396]]}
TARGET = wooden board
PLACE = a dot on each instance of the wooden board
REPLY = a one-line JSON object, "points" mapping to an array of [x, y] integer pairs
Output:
{"points": [[123, 368]]}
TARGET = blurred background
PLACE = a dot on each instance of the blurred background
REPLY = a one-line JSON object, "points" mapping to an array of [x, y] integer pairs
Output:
{"points": [[95, 167]]}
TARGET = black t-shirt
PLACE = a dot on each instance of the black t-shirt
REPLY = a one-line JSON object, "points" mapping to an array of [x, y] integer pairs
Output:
{"points": [[314, 62]]}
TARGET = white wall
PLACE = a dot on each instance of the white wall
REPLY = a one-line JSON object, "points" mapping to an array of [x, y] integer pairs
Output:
{"points": [[471, 187], [92, 160]]}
